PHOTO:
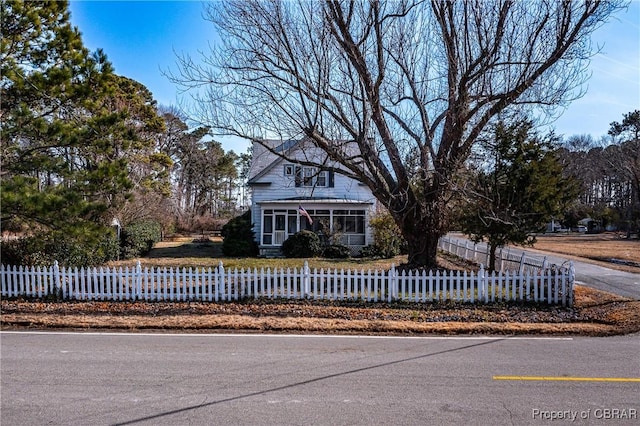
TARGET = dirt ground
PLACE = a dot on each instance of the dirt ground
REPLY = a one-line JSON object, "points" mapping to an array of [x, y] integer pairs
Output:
{"points": [[594, 313]]}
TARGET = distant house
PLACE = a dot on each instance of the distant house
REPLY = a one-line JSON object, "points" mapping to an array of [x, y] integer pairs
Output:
{"points": [[288, 196], [591, 226]]}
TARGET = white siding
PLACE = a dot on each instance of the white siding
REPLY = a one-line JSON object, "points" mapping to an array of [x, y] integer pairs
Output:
{"points": [[273, 185]]}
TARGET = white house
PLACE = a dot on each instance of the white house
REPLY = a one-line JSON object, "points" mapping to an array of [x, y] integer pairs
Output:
{"points": [[284, 192]]}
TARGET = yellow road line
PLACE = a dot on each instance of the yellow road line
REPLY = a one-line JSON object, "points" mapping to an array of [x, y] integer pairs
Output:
{"points": [[569, 379]]}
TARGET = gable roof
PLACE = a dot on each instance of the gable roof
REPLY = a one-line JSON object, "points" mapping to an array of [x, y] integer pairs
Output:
{"points": [[263, 159], [269, 153]]}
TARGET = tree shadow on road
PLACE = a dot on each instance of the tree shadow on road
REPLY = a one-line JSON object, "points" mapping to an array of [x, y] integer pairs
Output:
{"points": [[305, 382]]}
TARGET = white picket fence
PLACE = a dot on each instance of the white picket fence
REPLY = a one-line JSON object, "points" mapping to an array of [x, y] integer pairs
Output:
{"points": [[507, 259], [220, 284]]}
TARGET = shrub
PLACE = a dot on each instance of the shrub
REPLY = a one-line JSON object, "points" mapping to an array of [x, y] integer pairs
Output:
{"points": [[28, 251], [336, 251], [68, 250], [302, 244], [138, 238], [387, 237], [239, 237], [191, 224], [371, 251]]}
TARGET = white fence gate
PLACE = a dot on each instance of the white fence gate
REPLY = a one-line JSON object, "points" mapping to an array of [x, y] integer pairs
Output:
{"points": [[551, 286]]}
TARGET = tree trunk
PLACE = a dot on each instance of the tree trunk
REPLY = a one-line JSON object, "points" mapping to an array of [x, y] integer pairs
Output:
{"points": [[492, 256], [422, 245], [422, 226]]}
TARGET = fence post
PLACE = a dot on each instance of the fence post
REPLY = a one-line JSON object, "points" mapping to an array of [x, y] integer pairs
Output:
{"points": [[219, 280], [5, 282], [521, 269], [482, 291], [306, 279], [393, 283], [545, 263], [572, 277], [58, 281], [138, 294]]}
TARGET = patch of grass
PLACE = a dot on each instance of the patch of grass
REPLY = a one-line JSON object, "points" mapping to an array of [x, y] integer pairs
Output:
{"points": [[599, 248], [187, 252]]}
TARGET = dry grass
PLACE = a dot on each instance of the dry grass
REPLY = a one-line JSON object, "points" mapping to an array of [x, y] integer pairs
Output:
{"points": [[597, 248], [187, 252], [595, 314]]}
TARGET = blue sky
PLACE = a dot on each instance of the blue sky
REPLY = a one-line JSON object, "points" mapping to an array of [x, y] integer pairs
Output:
{"points": [[141, 39]]}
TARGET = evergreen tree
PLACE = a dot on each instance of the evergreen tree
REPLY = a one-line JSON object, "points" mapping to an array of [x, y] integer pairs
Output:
{"points": [[72, 132], [518, 189], [624, 161], [48, 77]]}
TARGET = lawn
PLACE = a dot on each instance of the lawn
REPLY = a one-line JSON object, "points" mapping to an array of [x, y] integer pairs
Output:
{"points": [[607, 249], [189, 252]]}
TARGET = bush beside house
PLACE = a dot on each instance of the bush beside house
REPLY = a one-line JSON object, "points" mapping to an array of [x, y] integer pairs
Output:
{"points": [[388, 241], [336, 251], [302, 244], [239, 240]]}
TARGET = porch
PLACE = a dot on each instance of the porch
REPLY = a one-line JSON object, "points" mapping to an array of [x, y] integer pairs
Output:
{"points": [[335, 221]]}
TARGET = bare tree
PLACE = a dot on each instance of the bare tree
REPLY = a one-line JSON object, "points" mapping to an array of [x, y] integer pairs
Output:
{"points": [[375, 83]]}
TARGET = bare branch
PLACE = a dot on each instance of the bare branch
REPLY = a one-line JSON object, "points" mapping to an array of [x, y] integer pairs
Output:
{"points": [[400, 79]]}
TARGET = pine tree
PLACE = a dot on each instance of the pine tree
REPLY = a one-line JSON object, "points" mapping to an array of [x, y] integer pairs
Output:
{"points": [[623, 160], [518, 190], [73, 133]]}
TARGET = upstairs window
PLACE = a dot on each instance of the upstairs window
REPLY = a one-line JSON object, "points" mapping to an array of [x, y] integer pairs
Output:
{"points": [[288, 169], [313, 177]]}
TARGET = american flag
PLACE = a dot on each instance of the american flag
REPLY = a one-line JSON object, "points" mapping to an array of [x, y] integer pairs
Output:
{"points": [[304, 213]]}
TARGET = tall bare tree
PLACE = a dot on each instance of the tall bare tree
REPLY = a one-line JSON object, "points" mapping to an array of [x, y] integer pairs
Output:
{"points": [[375, 83]]}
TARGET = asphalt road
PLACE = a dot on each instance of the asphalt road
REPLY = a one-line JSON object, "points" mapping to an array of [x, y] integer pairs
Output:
{"points": [[165, 379], [625, 284]]}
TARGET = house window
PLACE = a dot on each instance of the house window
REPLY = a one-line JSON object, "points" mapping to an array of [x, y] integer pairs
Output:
{"points": [[278, 225], [321, 224], [288, 169], [292, 223], [267, 227], [350, 225], [312, 176], [321, 179], [347, 225]]}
